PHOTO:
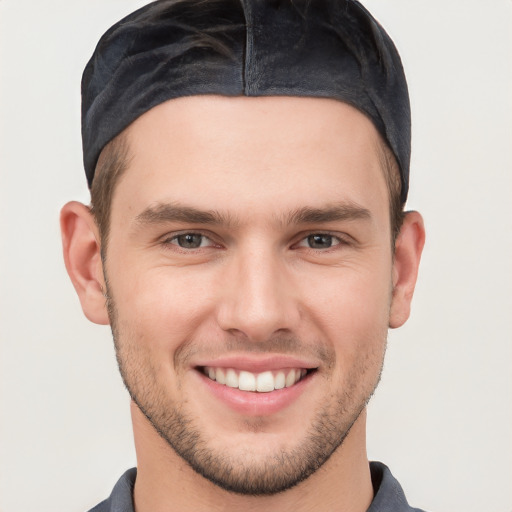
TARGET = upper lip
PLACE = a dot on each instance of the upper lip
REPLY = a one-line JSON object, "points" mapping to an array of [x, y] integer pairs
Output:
{"points": [[257, 364]]}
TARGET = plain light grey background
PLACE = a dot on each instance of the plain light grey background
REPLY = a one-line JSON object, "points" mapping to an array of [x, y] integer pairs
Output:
{"points": [[442, 417]]}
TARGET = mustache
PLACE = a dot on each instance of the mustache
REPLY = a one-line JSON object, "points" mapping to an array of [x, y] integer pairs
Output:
{"points": [[280, 343]]}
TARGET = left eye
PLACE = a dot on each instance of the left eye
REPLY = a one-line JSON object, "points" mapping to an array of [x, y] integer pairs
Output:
{"points": [[319, 241], [190, 241]]}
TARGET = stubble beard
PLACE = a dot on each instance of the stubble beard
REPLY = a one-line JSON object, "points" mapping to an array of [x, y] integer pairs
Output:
{"points": [[240, 474]]}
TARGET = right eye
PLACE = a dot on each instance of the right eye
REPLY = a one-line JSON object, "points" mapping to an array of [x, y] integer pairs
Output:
{"points": [[189, 241]]}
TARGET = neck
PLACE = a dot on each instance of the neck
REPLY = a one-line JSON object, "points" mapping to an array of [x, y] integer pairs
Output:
{"points": [[166, 482]]}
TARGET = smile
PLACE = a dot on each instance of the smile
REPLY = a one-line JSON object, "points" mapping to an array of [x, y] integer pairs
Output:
{"points": [[263, 382]]}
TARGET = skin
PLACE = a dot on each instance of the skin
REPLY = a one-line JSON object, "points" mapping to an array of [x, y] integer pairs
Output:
{"points": [[255, 289]]}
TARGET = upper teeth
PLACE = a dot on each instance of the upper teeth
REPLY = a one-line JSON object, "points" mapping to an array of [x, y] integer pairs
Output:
{"points": [[262, 382]]}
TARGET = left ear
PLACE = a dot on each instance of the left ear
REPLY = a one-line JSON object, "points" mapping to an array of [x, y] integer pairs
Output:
{"points": [[408, 248]]}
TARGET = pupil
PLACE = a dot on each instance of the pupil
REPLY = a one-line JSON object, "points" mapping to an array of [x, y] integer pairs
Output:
{"points": [[320, 241], [190, 241]]}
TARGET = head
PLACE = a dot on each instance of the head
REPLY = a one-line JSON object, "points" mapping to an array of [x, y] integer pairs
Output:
{"points": [[240, 249], [326, 49]]}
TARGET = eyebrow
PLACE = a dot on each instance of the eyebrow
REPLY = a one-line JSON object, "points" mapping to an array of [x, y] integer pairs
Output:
{"points": [[174, 212], [334, 212]]}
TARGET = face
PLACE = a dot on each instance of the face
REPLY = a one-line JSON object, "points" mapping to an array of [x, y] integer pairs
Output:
{"points": [[249, 276]]}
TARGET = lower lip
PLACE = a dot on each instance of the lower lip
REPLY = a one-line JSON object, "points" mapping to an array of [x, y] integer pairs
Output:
{"points": [[252, 403]]}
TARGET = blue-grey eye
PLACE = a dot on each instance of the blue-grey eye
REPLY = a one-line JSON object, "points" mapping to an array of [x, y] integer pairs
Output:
{"points": [[190, 240], [320, 241]]}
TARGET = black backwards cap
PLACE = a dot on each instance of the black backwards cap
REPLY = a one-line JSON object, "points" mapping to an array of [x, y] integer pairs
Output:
{"points": [[174, 48]]}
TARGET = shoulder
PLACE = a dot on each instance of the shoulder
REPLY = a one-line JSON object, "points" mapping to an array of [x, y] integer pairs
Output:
{"points": [[388, 493], [121, 498]]}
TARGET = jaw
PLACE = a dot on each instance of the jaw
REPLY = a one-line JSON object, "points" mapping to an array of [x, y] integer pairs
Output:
{"points": [[165, 478]]}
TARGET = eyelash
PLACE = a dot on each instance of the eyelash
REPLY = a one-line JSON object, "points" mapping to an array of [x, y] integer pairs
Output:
{"points": [[336, 239], [170, 241]]}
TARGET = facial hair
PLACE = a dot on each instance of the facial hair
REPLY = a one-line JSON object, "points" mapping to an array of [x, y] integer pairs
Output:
{"points": [[240, 473]]}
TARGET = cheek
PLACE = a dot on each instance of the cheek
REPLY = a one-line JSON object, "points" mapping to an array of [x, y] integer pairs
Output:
{"points": [[351, 309], [161, 306]]}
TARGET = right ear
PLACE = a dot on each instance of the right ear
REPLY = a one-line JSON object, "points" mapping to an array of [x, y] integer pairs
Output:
{"points": [[82, 256]]}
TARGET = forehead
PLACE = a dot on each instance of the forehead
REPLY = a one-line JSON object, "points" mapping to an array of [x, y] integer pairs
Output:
{"points": [[252, 154]]}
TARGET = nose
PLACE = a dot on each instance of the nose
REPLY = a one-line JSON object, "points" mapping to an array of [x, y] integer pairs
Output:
{"points": [[258, 297]]}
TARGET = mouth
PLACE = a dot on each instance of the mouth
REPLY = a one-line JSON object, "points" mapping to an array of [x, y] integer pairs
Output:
{"points": [[256, 386], [262, 382]]}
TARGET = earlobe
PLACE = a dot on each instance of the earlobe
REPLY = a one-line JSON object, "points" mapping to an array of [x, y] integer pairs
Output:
{"points": [[408, 249], [82, 256]]}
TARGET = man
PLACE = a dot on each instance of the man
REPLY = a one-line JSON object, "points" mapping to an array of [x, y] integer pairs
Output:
{"points": [[246, 241]]}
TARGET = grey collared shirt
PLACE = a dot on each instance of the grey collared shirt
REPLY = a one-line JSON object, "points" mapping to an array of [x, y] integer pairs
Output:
{"points": [[388, 494]]}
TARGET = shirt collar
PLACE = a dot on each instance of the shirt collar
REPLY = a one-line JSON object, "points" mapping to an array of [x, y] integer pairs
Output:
{"points": [[388, 494]]}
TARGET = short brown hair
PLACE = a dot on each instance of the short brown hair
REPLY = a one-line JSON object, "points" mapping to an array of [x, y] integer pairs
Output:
{"points": [[114, 160], [391, 170], [112, 163]]}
